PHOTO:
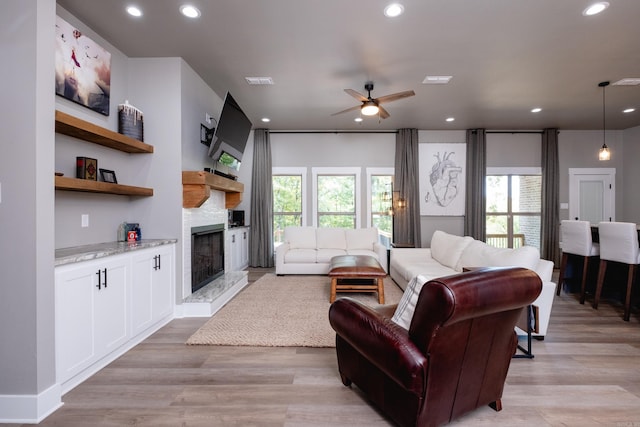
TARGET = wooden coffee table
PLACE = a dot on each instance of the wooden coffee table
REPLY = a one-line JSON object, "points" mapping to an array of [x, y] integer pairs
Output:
{"points": [[356, 273]]}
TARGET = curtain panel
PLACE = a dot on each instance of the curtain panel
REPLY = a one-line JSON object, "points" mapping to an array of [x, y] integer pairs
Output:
{"points": [[475, 206], [261, 225], [550, 221], [406, 221]]}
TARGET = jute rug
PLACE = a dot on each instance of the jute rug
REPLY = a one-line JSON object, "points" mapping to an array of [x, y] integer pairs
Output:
{"points": [[281, 311]]}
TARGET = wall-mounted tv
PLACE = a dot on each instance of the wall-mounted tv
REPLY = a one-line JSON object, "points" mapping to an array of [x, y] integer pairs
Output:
{"points": [[231, 134]]}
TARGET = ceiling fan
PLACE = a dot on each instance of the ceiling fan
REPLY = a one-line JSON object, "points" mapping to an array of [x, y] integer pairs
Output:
{"points": [[372, 106]]}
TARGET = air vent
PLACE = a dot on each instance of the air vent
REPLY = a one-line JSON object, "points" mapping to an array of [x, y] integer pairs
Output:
{"points": [[634, 81], [437, 80], [259, 80]]}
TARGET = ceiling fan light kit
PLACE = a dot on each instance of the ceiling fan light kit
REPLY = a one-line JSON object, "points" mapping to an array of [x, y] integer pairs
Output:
{"points": [[371, 106]]}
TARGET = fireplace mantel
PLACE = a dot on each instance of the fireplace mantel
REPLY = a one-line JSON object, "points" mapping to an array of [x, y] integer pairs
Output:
{"points": [[197, 185]]}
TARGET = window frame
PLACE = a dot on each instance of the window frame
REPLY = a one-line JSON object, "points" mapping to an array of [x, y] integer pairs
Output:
{"points": [[336, 171]]}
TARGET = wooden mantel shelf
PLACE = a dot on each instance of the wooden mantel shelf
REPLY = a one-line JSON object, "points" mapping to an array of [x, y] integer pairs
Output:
{"points": [[197, 185]]}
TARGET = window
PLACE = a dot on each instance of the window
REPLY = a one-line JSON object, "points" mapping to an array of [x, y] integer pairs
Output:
{"points": [[379, 202], [288, 199], [514, 202], [336, 197]]}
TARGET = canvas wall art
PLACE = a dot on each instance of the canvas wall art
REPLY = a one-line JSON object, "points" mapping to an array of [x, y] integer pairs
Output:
{"points": [[83, 68], [442, 179]]}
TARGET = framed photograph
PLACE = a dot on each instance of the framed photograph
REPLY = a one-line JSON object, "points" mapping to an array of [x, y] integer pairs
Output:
{"points": [[442, 178], [83, 68], [108, 176]]}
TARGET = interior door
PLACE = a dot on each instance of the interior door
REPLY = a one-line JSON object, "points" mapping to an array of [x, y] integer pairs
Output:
{"points": [[592, 194]]}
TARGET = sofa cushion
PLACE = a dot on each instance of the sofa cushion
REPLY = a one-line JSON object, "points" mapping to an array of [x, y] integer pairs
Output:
{"points": [[303, 256], [361, 238], [325, 255], [447, 248], [479, 254], [407, 305], [300, 237], [331, 238]]}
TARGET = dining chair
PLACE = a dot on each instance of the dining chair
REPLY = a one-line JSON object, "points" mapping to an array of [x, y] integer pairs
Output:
{"points": [[576, 241], [618, 243]]}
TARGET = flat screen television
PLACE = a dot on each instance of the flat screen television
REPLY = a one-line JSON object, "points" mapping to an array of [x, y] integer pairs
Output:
{"points": [[231, 134]]}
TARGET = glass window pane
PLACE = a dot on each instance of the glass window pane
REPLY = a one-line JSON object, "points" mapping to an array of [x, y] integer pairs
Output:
{"points": [[287, 193], [497, 193], [343, 221], [527, 193], [336, 193], [497, 226], [526, 231]]}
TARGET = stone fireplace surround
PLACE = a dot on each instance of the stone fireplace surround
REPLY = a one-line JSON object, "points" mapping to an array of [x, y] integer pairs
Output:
{"points": [[209, 299]]}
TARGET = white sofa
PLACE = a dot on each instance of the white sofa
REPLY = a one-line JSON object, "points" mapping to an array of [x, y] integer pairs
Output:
{"points": [[308, 250], [449, 254]]}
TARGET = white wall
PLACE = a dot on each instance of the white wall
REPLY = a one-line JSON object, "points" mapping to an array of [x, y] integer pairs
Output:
{"points": [[630, 176], [27, 363]]}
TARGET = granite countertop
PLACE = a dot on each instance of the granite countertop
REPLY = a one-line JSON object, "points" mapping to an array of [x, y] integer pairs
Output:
{"points": [[100, 250]]}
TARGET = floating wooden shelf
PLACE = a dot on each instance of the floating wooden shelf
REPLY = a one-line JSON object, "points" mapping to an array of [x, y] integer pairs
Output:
{"points": [[78, 128], [197, 185], [87, 186]]}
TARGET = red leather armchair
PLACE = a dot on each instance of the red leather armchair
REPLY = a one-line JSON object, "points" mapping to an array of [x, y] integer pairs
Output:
{"points": [[455, 356]]}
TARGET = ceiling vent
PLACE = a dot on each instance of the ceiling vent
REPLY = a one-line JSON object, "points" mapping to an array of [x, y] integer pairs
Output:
{"points": [[259, 80], [634, 81], [437, 80]]}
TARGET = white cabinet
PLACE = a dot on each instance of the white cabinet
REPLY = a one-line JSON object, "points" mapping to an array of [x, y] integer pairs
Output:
{"points": [[238, 248], [151, 287], [106, 306], [91, 317]]}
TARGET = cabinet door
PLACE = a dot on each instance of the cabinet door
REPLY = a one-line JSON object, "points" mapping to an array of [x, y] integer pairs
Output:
{"points": [[244, 250], [91, 319], [151, 287]]}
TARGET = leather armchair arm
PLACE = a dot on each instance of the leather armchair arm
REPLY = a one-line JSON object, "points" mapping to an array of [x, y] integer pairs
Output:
{"points": [[381, 341]]}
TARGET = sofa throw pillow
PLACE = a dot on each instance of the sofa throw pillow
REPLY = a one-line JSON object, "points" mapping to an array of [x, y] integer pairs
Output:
{"points": [[447, 248], [331, 238], [479, 254], [361, 238], [407, 304], [300, 237]]}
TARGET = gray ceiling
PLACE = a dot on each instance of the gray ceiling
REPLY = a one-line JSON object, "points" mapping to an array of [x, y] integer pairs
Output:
{"points": [[505, 56]]}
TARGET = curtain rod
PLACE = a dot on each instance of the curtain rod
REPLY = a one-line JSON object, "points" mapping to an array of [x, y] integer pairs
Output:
{"points": [[333, 131]]}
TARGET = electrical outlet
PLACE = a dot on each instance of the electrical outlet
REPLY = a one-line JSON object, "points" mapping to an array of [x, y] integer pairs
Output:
{"points": [[85, 220]]}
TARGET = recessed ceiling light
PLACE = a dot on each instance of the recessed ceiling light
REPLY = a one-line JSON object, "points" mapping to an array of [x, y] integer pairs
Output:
{"points": [[189, 11], [450, 119], [357, 119], [536, 110], [393, 10], [437, 80], [595, 8], [134, 11], [266, 119], [629, 110]]}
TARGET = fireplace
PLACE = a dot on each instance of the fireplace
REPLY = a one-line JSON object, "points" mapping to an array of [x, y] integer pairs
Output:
{"points": [[207, 254]]}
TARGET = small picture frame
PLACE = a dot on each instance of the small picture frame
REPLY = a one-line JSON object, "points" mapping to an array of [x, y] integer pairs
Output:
{"points": [[108, 176]]}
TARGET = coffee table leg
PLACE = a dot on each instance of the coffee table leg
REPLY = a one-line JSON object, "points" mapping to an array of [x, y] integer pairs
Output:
{"points": [[334, 283], [380, 290]]}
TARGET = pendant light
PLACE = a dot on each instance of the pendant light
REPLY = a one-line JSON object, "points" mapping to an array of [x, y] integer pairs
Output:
{"points": [[604, 153]]}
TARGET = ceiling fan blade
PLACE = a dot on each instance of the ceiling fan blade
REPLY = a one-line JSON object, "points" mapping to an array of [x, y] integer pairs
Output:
{"points": [[357, 107], [383, 113], [357, 95], [395, 96]]}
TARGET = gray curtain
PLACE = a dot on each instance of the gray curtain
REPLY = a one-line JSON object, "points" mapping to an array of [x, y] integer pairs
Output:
{"points": [[406, 221], [550, 224], [261, 231], [475, 204]]}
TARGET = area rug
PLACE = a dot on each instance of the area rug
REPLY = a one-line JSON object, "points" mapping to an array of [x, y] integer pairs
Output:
{"points": [[281, 311]]}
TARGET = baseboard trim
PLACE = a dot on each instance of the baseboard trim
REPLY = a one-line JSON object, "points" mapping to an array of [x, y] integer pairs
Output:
{"points": [[30, 408]]}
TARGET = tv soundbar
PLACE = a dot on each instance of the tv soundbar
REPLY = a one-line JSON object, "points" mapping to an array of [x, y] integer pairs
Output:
{"points": [[226, 175]]}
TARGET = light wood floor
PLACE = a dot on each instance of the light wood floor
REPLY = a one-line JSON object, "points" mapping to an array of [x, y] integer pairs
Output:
{"points": [[585, 373]]}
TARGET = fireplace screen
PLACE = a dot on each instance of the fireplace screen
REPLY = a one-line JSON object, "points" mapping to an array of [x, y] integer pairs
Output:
{"points": [[207, 254]]}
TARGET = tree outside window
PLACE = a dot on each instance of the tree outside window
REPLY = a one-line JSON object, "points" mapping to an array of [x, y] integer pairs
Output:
{"points": [[336, 196], [287, 203]]}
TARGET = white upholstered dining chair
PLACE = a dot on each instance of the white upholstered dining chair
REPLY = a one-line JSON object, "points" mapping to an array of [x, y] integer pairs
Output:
{"points": [[618, 243], [576, 241]]}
